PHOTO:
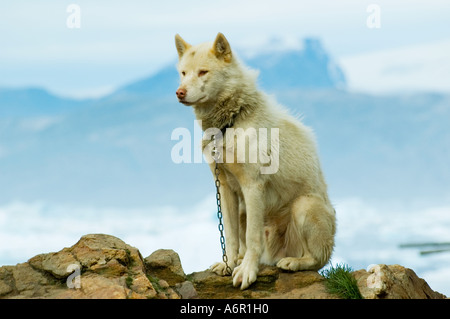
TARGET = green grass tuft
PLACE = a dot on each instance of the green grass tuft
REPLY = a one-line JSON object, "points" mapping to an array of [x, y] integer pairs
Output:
{"points": [[340, 281]]}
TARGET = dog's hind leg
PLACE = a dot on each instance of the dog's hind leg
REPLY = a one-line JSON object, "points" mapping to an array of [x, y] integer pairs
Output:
{"points": [[309, 237]]}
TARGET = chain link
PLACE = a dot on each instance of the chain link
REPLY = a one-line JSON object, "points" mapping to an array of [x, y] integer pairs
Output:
{"points": [[216, 156]]}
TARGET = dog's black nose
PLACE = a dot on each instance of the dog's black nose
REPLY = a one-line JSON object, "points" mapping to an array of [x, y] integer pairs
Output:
{"points": [[181, 93]]}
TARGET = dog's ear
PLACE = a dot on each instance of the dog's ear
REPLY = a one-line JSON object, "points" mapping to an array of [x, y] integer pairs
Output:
{"points": [[221, 48], [181, 45]]}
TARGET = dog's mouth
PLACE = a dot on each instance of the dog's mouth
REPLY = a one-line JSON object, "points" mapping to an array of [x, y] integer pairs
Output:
{"points": [[185, 102], [188, 103]]}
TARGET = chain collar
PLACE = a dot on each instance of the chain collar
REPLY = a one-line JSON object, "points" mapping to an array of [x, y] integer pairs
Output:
{"points": [[216, 155]]}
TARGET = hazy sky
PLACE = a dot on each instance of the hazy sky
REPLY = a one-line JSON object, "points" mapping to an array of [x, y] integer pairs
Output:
{"points": [[121, 41]]}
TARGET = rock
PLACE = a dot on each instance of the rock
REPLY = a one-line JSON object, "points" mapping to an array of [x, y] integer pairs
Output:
{"points": [[104, 267], [271, 283], [186, 290], [165, 263], [301, 285], [6, 281], [108, 268], [54, 263], [94, 286], [28, 282], [393, 282]]}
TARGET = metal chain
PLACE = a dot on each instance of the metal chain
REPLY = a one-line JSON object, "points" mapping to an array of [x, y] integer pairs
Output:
{"points": [[216, 156]]}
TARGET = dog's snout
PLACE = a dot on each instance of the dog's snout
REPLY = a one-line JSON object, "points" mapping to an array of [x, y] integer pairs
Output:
{"points": [[181, 93]]}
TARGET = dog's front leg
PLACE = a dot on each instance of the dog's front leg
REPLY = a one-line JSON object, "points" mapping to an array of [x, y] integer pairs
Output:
{"points": [[245, 274], [229, 205]]}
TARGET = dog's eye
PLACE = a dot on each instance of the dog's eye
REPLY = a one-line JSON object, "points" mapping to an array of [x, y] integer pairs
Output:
{"points": [[183, 73], [202, 72]]}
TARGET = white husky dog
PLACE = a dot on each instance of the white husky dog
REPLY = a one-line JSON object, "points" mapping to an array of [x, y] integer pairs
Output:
{"points": [[283, 219]]}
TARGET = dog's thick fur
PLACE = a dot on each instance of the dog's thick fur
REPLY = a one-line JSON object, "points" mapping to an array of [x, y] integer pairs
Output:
{"points": [[284, 219]]}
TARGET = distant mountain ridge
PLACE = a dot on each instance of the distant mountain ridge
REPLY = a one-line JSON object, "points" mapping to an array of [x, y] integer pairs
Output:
{"points": [[33, 101], [311, 67]]}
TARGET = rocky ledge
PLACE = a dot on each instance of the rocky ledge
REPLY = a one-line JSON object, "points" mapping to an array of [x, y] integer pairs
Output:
{"points": [[103, 266]]}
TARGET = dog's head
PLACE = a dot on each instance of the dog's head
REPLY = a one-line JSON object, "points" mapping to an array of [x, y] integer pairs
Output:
{"points": [[203, 69]]}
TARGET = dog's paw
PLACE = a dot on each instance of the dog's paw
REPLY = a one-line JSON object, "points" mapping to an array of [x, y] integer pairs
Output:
{"points": [[245, 274], [220, 269], [289, 264]]}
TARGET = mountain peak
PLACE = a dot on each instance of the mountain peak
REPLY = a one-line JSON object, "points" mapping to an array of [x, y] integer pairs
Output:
{"points": [[308, 66]]}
